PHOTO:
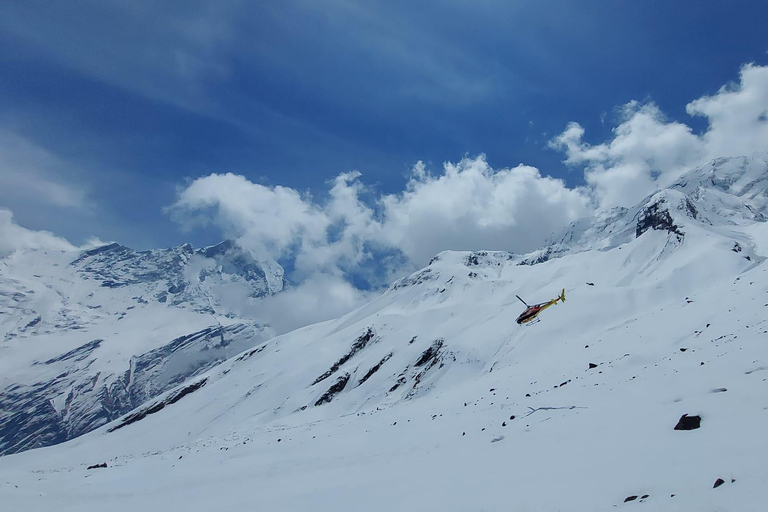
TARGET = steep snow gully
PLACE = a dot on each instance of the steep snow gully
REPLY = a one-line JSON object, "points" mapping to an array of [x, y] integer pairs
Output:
{"points": [[648, 386]]}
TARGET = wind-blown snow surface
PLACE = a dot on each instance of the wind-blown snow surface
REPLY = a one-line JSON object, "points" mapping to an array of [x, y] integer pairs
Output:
{"points": [[432, 398]]}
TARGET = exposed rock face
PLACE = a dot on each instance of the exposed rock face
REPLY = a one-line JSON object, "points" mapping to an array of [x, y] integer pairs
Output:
{"points": [[657, 216], [688, 422], [77, 400], [170, 399]]}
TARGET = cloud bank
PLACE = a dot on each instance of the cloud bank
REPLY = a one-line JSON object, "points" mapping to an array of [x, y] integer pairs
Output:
{"points": [[14, 237], [648, 151]]}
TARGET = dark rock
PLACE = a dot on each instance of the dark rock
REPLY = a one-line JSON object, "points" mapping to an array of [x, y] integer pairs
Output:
{"points": [[592, 365], [97, 466], [656, 216], [512, 417], [358, 345], [683, 349], [503, 423], [430, 354], [171, 399], [34, 322], [644, 496], [688, 422], [718, 483], [375, 368], [630, 498], [591, 284], [334, 390]]}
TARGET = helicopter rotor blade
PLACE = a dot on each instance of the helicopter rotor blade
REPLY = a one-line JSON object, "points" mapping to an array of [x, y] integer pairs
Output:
{"points": [[521, 300]]}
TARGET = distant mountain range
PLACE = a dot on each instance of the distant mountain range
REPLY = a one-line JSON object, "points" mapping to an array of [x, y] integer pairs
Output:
{"points": [[89, 336], [647, 384]]}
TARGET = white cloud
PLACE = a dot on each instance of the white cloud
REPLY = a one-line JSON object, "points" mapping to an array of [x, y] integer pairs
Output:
{"points": [[267, 220], [737, 115], [648, 152], [320, 297], [30, 174], [468, 206], [14, 237], [472, 206]]}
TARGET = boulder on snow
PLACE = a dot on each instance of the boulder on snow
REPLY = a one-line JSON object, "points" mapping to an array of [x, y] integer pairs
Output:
{"points": [[718, 483], [688, 422], [97, 466]]}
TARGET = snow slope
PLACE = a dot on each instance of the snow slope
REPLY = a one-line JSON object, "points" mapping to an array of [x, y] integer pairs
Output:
{"points": [[432, 398], [90, 335]]}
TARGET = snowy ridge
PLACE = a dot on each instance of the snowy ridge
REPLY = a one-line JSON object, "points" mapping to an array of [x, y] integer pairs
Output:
{"points": [[431, 398], [89, 336], [723, 192]]}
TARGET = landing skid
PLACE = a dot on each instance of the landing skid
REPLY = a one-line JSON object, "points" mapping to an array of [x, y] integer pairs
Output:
{"points": [[534, 321]]}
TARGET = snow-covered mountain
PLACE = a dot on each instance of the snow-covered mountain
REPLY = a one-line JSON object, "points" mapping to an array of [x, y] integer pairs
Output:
{"points": [[88, 336], [647, 385]]}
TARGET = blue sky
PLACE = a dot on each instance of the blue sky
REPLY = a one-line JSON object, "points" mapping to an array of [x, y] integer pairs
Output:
{"points": [[109, 109]]}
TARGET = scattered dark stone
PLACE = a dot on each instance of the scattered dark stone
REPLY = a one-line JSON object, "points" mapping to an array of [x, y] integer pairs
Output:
{"points": [[592, 365], [733, 480], [503, 423], [671, 495], [528, 395], [688, 422], [97, 466], [564, 383], [630, 498], [590, 284], [644, 496], [512, 417], [702, 363], [482, 429], [279, 440], [463, 433], [719, 390], [718, 483], [492, 390], [586, 346], [180, 456], [683, 349]]}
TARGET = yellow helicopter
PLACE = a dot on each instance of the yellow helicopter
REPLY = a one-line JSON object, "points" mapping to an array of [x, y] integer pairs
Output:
{"points": [[531, 313]]}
